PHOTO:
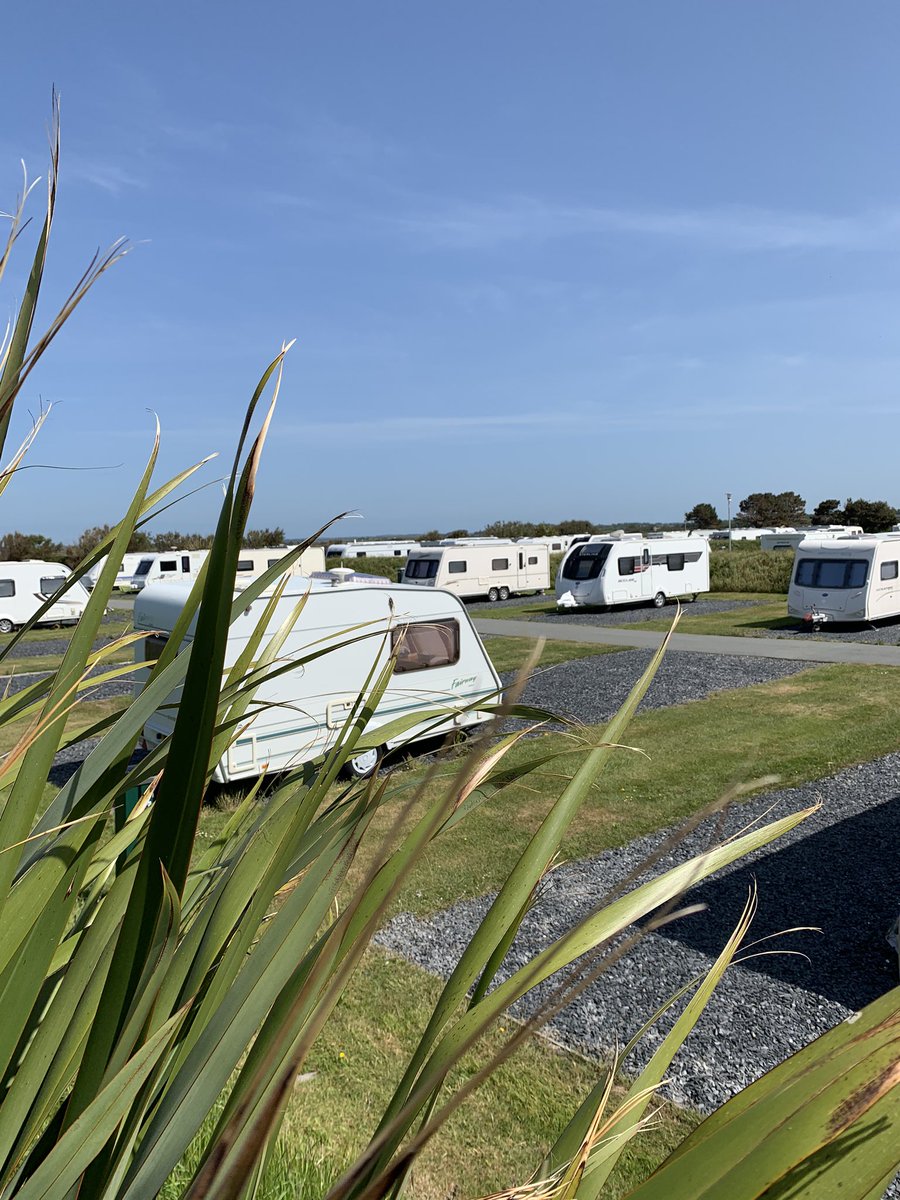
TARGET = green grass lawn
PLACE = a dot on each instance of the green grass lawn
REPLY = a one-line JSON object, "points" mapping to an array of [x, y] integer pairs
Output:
{"points": [[768, 611], [512, 653], [800, 729], [498, 1136]]}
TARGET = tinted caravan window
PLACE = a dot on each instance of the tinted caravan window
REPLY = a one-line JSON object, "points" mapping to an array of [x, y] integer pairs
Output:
{"points": [[586, 560]]}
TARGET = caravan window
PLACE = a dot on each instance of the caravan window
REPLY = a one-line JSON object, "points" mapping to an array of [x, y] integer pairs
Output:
{"points": [[586, 560], [168, 564], [831, 573], [499, 564], [50, 584], [144, 566], [246, 564], [421, 568], [360, 554], [675, 562], [7, 588], [628, 566], [532, 561], [425, 645], [153, 646], [458, 567], [398, 554], [889, 570]]}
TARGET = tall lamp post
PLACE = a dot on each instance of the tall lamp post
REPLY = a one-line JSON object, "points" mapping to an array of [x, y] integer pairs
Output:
{"points": [[728, 498]]}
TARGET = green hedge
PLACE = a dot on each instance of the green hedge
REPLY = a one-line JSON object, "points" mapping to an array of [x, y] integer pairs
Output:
{"points": [[750, 571]]}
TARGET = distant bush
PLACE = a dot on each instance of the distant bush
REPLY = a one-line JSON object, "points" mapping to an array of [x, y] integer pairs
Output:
{"points": [[750, 570], [388, 567]]}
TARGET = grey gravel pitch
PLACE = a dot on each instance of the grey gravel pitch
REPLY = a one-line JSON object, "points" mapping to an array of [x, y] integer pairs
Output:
{"points": [[102, 691], [882, 634], [625, 615], [37, 649], [592, 689], [838, 871]]}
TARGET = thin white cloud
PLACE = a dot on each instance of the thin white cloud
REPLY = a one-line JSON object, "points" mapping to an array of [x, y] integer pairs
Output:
{"points": [[528, 219], [109, 177]]}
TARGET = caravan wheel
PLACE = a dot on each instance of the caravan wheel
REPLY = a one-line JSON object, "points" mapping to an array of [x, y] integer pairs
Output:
{"points": [[659, 600], [493, 595], [362, 765], [6, 626], [504, 593]]}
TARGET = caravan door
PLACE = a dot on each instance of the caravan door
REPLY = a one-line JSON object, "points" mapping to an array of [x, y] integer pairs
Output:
{"points": [[630, 574], [646, 575], [530, 577]]}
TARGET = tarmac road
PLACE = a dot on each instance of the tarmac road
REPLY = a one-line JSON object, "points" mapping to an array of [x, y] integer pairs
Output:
{"points": [[698, 643]]}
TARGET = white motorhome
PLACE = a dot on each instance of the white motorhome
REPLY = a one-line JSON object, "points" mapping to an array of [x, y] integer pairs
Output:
{"points": [[123, 576], [254, 562], [173, 564], [791, 539], [846, 579], [441, 666], [25, 586], [497, 570], [388, 549], [629, 569]]}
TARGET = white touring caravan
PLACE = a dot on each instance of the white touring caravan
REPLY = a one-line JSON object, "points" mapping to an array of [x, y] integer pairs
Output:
{"points": [[254, 562], [497, 570], [846, 579], [124, 574], [173, 564], [790, 539], [25, 586], [632, 568], [441, 666], [370, 549]]}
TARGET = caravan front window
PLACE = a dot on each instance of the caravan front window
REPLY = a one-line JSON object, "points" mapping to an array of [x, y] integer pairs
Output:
{"points": [[50, 584], [143, 567], [421, 568], [832, 573], [586, 561]]}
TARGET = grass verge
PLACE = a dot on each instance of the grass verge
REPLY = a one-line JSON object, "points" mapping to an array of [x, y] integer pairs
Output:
{"points": [[800, 728], [512, 653], [498, 1136]]}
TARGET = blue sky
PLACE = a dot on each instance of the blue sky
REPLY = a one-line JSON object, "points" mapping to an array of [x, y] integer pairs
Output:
{"points": [[542, 260]]}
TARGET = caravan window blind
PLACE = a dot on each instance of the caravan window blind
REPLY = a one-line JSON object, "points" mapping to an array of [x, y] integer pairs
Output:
{"points": [[424, 645]]}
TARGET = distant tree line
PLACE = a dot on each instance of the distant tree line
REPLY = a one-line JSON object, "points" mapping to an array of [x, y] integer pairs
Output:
{"points": [[16, 546], [766, 509]]}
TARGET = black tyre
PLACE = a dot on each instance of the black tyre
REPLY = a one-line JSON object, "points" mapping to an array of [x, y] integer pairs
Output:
{"points": [[363, 765], [659, 600], [504, 593], [493, 595]]}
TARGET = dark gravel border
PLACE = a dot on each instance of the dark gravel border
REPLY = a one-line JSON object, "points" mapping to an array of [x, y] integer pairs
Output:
{"points": [[592, 689], [838, 871]]}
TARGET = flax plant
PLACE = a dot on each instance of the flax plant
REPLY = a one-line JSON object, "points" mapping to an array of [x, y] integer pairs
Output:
{"points": [[146, 985]]}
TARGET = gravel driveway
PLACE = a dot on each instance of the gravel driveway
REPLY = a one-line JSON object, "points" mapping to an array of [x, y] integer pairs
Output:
{"points": [[592, 689], [838, 871], [628, 614]]}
